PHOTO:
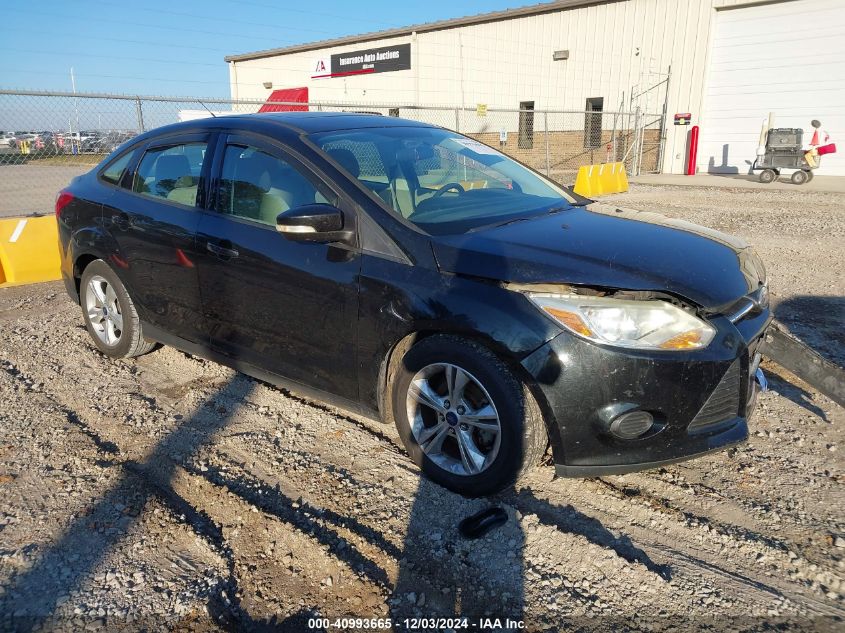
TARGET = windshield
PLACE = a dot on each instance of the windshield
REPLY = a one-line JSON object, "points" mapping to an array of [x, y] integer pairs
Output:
{"points": [[442, 181]]}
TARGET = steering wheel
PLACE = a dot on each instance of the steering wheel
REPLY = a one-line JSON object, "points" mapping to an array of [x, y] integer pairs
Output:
{"points": [[447, 187]]}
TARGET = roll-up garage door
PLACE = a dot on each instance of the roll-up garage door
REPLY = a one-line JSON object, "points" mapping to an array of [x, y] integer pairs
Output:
{"points": [[787, 58]]}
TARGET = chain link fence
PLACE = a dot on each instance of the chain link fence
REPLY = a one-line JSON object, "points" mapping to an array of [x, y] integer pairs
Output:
{"points": [[47, 138]]}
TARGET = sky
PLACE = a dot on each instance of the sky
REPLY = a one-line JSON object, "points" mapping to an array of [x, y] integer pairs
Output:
{"points": [[168, 47]]}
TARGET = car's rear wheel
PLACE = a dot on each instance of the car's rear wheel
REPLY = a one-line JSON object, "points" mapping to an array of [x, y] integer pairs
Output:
{"points": [[109, 313], [464, 417]]}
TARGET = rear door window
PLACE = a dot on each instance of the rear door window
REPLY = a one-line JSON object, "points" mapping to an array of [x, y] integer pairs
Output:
{"points": [[171, 173]]}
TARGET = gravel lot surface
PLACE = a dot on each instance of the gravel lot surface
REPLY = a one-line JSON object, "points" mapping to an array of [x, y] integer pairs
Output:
{"points": [[168, 492]]}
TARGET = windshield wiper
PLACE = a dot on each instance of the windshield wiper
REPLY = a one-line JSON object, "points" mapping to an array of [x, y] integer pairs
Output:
{"points": [[495, 226], [550, 211]]}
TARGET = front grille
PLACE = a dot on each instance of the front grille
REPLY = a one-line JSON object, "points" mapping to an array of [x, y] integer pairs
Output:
{"points": [[722, 405]]}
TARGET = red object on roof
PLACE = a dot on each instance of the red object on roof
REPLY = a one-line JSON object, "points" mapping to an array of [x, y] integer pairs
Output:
{"points": [[287, 95]]}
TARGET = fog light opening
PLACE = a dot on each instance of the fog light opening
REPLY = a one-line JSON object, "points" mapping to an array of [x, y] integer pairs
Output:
{"points": [[632, 425]]}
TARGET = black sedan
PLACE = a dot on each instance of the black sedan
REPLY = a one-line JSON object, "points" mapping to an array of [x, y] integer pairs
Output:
{"points": [[410, 273]]}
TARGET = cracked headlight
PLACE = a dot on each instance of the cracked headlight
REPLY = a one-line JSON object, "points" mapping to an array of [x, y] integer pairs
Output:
{"points": [[651, 324]]}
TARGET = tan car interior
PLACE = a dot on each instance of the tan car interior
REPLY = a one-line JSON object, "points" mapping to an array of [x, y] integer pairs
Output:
{"points": [[171, 179], [396, 191], [263, 187]]}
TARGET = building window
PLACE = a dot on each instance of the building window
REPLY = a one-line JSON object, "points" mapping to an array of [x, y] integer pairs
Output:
{"points": [[393, 112], [526, 125], [592, 122]]}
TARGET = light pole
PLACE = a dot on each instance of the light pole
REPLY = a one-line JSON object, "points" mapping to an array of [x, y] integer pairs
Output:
{"points": [[75, 101]]}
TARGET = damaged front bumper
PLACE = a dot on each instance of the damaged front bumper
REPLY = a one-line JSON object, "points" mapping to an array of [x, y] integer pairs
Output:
{"points": [[611, 410]]}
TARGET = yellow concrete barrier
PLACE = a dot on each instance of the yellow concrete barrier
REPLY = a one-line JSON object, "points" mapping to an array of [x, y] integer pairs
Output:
{"points": [[584, 182], [598, 180], [615, 178], [29, 250]]}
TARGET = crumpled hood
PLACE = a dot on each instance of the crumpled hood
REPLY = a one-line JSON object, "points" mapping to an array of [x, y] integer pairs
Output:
{"points": [[601, 245]]}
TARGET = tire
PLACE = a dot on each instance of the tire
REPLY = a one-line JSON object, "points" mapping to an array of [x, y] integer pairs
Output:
{"points": [[809, 176], [110, 315], [518, 445], [799, 177], [767, 176]]}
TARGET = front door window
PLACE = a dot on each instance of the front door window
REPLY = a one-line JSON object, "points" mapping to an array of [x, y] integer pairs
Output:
{"points": [[257, 186]]}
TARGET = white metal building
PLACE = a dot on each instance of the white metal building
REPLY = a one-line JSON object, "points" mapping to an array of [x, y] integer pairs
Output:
{"points": [[728, 62]]}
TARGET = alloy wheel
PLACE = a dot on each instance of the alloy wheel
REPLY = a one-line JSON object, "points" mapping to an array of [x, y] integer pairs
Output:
{"points": [[453, 419], [103, 311]]}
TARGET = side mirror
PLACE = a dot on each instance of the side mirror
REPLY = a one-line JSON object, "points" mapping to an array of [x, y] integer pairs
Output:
{"points": [[313, 223]]}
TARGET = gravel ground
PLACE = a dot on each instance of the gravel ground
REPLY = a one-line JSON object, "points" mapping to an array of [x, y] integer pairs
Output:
{"points": [[168, 492]]}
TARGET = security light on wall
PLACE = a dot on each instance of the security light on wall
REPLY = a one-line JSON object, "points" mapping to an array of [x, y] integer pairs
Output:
{"points": [[560, 55], [268, 84]]}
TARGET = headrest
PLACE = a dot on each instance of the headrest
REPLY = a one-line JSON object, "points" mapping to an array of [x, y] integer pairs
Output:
{"points": [[172, 167], [256, 169]]}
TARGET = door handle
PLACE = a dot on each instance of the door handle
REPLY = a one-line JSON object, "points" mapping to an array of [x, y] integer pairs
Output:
{"points": [[221, 251]]}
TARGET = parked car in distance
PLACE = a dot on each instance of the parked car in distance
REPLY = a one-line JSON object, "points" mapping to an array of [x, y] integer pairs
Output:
{"points": [[410, 273], [28, 137], [47, 141], [106, 143], [92, 145], [21, 136]]}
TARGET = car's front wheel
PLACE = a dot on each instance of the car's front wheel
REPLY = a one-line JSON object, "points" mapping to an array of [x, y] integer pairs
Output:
{"points": [[464, 417], [109, 313]]}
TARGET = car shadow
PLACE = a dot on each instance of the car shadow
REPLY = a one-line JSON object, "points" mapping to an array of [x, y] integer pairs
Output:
{"points": [[64, 566], [568, 519], [321, 524], [438, 571], [444, 575]]}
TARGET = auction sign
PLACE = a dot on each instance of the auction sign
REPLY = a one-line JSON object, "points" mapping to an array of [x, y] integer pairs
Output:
{"points": [[373, 60]]}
